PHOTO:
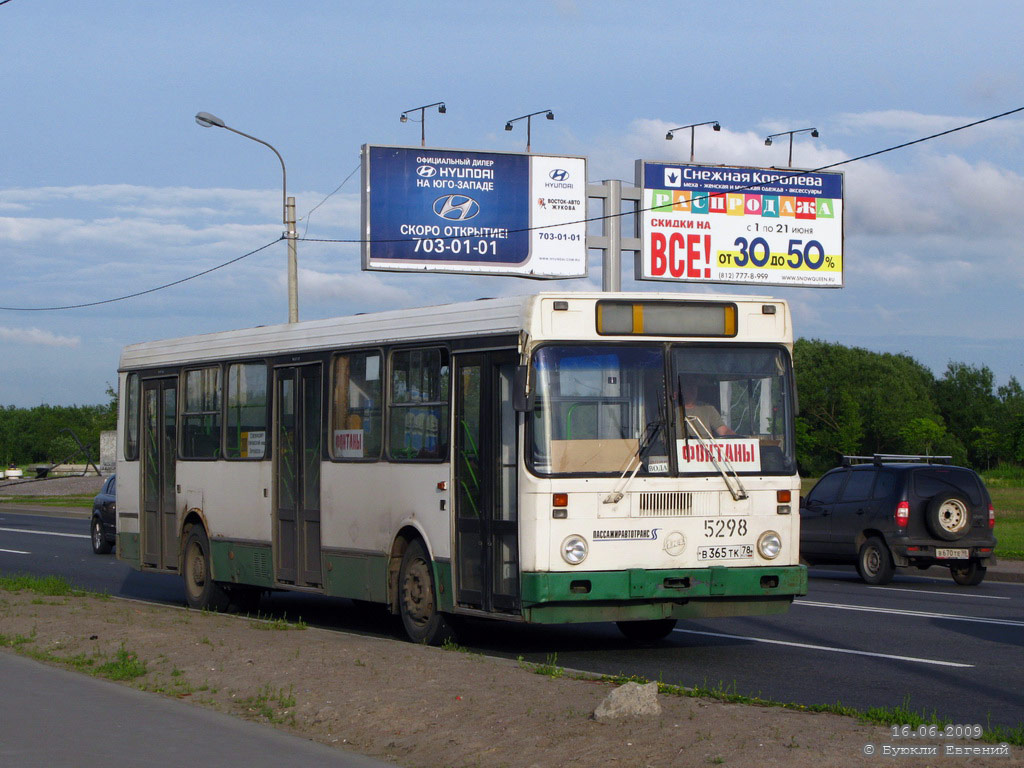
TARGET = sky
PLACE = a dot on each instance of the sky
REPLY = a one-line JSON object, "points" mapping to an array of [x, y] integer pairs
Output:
{"points": [[108, 187]]}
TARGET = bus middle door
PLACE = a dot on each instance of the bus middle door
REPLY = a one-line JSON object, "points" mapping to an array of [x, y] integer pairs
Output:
{"points": [[486, 462]]}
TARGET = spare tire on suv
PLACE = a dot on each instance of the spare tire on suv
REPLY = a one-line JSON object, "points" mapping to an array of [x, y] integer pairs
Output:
{"points": [[883, 512], [949, 515]]}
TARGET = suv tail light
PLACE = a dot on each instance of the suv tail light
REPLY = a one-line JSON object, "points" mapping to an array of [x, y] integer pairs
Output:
{"points": [[991, 517], [902, 514]]}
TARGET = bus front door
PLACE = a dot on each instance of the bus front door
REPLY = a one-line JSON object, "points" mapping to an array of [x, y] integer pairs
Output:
{"points": [[159, 523], [297, 475], [486, 461]]}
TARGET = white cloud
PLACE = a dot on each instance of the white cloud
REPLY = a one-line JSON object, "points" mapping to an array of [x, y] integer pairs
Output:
{"points": [[37, 336]]}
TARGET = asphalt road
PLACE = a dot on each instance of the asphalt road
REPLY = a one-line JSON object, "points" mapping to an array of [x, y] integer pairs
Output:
{"points": [[949, 650], [54, 717]]}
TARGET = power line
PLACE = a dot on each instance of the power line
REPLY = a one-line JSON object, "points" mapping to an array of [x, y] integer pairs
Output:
{"points": [[148, 290], [735, 189], [525, 229], [310, 213]]}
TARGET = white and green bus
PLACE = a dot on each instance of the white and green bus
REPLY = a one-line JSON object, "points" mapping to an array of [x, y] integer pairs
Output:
{"points": [[561, 457]]}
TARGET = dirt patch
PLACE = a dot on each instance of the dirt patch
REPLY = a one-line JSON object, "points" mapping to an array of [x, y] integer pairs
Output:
{"points": [[53, 486], [420, 706]]}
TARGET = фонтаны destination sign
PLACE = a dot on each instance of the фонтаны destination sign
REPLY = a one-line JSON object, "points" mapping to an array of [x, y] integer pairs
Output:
{"points": [[447, 210]]}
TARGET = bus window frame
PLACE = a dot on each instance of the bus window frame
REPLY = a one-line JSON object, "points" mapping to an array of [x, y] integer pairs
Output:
{"points": [[132, 410], [183, 412], [385, 375], [268, 415], [444, 456]]}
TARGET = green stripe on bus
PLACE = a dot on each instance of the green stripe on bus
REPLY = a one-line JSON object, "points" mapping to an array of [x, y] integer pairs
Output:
{"points": [[128, 548], [242, 563], [675, 584]]}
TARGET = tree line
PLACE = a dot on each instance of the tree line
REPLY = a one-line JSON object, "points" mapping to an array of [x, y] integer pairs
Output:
{"points": [[857, 402], [852, 401], [37, 435]]}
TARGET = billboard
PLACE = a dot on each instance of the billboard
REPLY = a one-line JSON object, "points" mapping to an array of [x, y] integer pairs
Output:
{"points": [[728, 224], [447, 210]]}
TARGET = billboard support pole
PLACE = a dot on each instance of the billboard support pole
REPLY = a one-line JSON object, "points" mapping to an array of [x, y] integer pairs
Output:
{"points": [[611, 264], [610, 242]]}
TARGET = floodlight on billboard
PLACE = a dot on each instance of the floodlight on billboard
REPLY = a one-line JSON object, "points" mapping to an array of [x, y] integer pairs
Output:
{"points": [[446, 210], [727, 224]]}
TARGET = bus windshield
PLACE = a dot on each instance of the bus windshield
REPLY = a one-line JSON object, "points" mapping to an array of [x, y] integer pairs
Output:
{"points": [[601, 408]]}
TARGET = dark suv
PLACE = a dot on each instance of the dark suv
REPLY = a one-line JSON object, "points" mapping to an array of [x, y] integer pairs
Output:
{"points": [[885, 511]]}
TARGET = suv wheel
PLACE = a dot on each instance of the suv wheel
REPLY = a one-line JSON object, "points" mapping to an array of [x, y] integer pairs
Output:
{"points": [[969, 575], [874, 563], [949, 515]]}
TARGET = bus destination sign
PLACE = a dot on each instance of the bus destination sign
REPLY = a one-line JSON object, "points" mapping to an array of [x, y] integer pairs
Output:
{"points": [[447, 210], [727, 224]]}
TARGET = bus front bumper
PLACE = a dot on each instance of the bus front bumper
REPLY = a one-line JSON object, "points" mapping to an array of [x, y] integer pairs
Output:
{"points": [[638, 595]]}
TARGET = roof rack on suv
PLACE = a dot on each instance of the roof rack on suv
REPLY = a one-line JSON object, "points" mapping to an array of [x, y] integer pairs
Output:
{"points": [[883, 458]]}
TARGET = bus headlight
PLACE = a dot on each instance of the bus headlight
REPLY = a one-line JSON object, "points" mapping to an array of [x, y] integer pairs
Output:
{"points": [[574, 550], [769, 545]]}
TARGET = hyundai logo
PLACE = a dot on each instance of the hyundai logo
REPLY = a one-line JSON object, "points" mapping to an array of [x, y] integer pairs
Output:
{"points": [[456, 207], [559, 175], [426, 171]]}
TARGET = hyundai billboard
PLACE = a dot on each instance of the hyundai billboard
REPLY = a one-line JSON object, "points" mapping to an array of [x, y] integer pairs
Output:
{"points": [[446, 210]]}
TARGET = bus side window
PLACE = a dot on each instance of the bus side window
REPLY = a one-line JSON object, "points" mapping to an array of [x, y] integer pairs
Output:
{"points": [[418, 404], [131, 422], [201, 418], [356, 412], [246, 398]]}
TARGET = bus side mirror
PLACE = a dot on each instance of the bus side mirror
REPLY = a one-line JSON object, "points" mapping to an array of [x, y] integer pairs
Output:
{"points": [[522, 402]]}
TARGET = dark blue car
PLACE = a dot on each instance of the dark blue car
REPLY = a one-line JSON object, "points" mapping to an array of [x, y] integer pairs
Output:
{"points": [[104, 518]]}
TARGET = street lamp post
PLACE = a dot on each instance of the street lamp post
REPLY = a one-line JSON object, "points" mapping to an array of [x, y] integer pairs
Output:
{"points": [[768, 140], [546, 112], [715, 125], [207, 120], [423, 118]]}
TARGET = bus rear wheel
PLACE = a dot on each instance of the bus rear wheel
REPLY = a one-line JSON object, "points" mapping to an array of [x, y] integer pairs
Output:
{"points": [[646, 631], [417, 602], [201, 591]]}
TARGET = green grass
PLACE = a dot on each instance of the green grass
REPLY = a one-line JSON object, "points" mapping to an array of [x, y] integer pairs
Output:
{"points": [[51, 586], [77, 500]]}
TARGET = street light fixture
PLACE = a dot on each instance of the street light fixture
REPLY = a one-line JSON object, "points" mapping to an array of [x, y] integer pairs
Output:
{"points": [[423, 118], [715, 125], [768, 140], [546, 112], [207, 120]]}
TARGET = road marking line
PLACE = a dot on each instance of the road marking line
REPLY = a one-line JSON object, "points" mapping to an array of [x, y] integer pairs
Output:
{"points": [[953, 594], [922, 614], [48, 533], [828, 648], [15, 552]]}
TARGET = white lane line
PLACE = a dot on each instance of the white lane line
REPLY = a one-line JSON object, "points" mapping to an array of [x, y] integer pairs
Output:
{"points": [[952, 594], [828, 648], [48, 533], [921, 614], [15, 552]]}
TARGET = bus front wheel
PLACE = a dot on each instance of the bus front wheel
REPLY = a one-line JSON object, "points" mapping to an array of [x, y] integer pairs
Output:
{"points": [[201, 591], [417, 603]]}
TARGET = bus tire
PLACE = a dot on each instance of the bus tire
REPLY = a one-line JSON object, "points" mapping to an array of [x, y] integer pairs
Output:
{"points": [[417, 602], [646, 631], [201, 591]]}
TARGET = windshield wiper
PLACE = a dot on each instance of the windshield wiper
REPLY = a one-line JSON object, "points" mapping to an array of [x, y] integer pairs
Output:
{"points": [[651, 431], [724, 467]]}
